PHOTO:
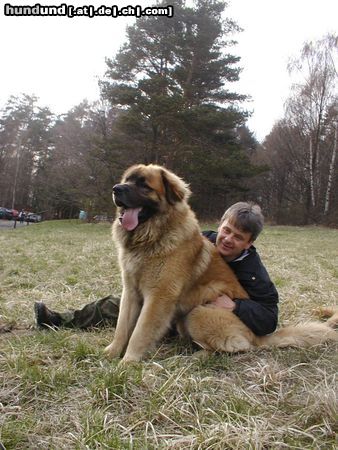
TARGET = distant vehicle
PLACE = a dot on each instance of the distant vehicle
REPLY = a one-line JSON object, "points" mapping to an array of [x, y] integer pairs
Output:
{"points": [[3, 213], [100, 218], [32, 217], [9, 214]]}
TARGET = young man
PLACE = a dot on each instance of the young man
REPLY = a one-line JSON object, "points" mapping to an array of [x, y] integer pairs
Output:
{"points": [[239, 228]]}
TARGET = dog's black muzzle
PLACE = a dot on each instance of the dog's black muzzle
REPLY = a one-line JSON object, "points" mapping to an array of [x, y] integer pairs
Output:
{"points": [[128, 196], [122, 194], [118, 189]]}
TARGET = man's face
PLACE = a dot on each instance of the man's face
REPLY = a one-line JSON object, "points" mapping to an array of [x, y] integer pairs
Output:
{"points": [[231, 241]]}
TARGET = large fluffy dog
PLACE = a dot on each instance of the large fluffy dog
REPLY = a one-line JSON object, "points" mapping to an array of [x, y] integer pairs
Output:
{"points": [[170, 271]]}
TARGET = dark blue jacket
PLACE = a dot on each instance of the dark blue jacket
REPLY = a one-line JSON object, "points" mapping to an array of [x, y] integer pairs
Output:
{"points": [[260, 311]]}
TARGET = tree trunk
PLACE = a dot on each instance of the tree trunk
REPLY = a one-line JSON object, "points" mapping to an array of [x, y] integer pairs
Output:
{"points": [[311, 164], [16, 174], [331, 172]]}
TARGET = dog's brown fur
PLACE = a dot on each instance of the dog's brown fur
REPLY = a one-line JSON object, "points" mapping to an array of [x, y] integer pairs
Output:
{"points": [[169, 272]]}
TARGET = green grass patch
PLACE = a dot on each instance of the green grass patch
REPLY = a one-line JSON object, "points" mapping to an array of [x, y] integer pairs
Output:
{"points": [[58, 391]]}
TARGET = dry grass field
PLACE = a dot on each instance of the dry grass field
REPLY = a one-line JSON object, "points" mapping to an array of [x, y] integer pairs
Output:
{"points": [[58, 391]]}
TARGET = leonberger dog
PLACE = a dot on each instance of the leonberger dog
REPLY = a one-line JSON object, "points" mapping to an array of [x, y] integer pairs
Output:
{"points": [[170, 272]]}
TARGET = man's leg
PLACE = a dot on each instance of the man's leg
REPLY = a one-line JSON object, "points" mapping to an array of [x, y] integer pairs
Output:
{"points": [[96, 314]]}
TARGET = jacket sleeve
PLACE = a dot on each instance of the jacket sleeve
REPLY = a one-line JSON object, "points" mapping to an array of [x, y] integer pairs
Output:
{"points": [[260, 318], [211, 235], [260, 310]]}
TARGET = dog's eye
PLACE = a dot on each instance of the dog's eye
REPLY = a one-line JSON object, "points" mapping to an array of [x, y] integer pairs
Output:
{"points": [[145, 186], [141, 182]]}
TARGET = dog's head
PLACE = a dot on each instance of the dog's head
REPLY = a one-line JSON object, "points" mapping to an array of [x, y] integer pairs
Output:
{"points": [[145, 191]]}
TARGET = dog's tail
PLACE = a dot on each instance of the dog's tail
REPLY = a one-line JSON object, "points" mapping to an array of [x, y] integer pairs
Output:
{"points": [[304, 335], [330, 313]]}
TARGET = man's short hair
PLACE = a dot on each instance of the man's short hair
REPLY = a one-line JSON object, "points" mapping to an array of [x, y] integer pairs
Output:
{"points": [[246, 216]]}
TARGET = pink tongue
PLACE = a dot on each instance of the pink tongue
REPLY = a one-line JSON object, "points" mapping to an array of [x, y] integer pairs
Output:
{"points": [[130, 218]]}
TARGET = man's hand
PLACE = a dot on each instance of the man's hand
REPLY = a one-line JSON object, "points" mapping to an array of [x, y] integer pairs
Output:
{"points": [[223, 301]]}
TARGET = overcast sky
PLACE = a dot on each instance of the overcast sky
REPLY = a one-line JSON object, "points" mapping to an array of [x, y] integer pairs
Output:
{"points": [[60, 59]]}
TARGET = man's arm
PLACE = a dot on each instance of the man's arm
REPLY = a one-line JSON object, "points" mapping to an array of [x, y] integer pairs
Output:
{"points": [[261, 319]]}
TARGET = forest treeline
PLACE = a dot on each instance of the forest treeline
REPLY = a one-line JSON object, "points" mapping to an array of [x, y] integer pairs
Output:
{"points": [[168, 98]]}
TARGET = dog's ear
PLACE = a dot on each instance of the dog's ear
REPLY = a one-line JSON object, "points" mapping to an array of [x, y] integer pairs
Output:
{"points": [[176, 189]]}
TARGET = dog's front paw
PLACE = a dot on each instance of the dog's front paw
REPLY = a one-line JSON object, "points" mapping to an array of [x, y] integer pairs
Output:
{"points": [[236, 344], [112, 351], [130, 358]]}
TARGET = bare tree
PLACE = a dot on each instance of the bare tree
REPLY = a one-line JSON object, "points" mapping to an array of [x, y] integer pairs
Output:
{"points": [[330, 180], [308, 108]]}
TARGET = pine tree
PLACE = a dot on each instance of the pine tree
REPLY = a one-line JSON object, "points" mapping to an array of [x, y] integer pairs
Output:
{"points": [[172, 81]]}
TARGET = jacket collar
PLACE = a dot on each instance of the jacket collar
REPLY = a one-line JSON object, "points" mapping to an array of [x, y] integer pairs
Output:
{"points": [[244, 254]]}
